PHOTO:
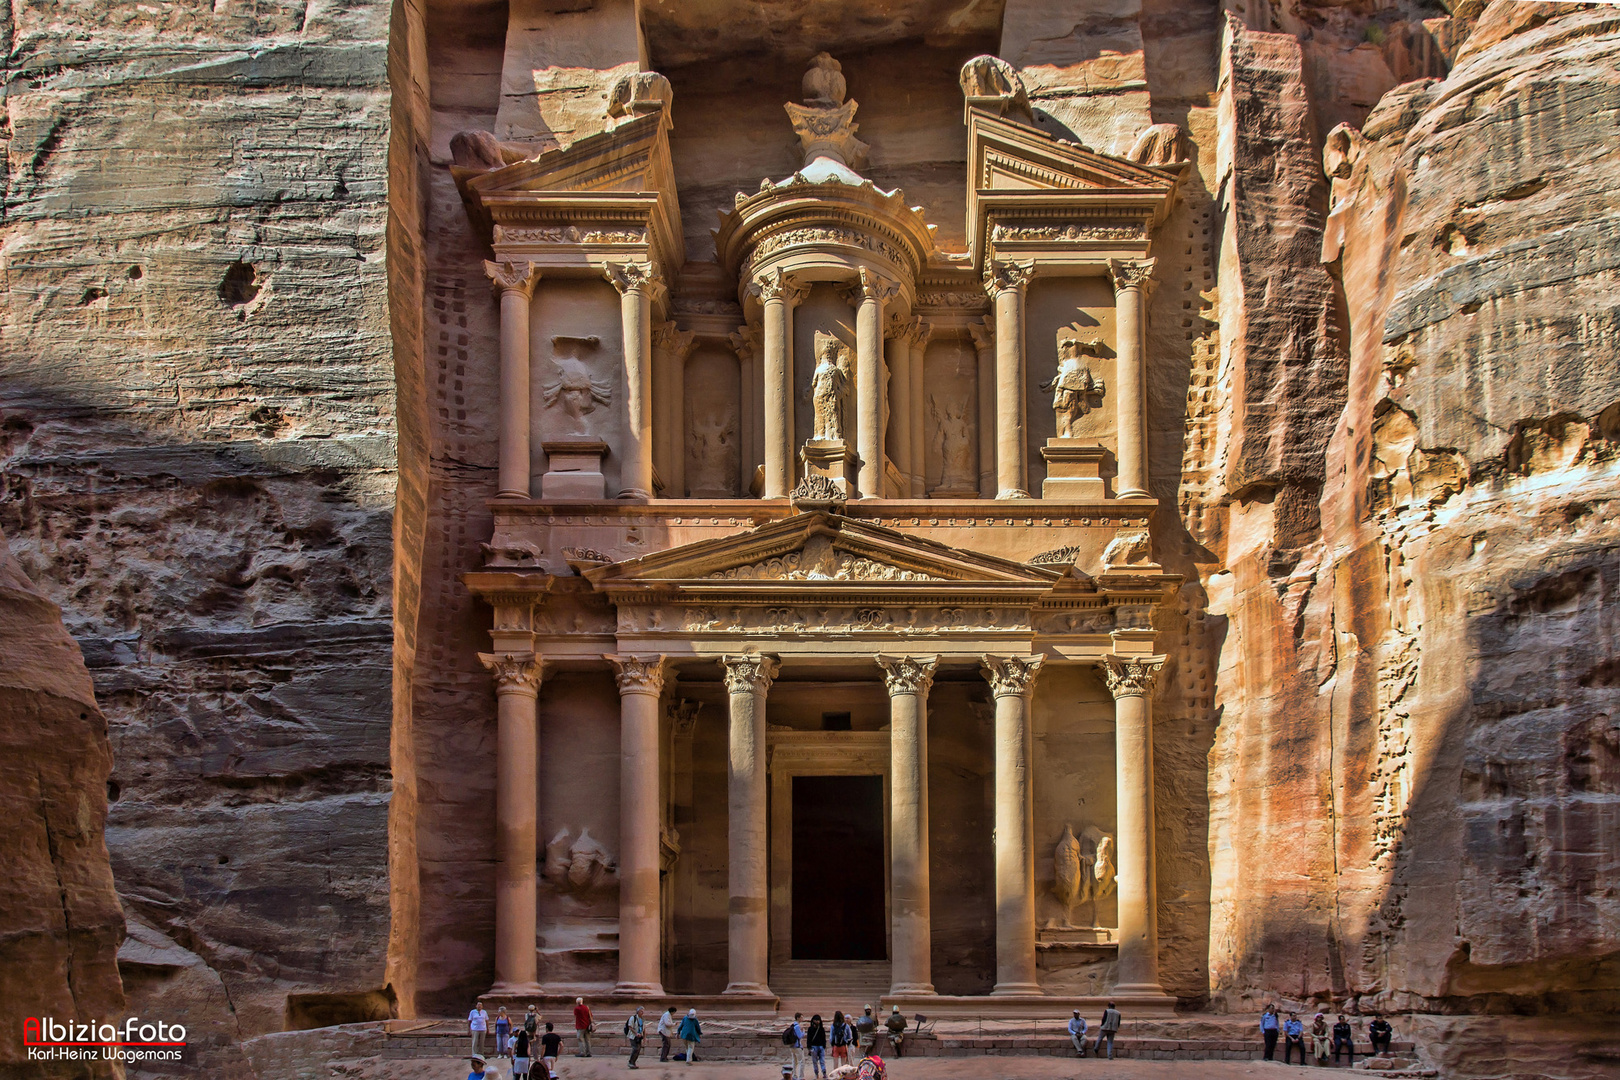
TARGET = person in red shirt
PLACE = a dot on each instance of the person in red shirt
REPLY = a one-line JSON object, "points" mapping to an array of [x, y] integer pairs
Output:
{"points": [[583, 1026]]}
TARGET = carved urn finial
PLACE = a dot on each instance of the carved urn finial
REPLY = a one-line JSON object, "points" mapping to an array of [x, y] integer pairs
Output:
{"points": [[990, 83], [825, 123], [823, 84]]}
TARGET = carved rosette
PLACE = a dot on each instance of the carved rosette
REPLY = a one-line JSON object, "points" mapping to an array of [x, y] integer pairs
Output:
{"points": [[750, 674], [515, 673], [1006, 275], [1130, 676], [775, 285], [642, 277], [1012, 676], [512, 275], [908, 674], [638, 674], [1130, 273]]}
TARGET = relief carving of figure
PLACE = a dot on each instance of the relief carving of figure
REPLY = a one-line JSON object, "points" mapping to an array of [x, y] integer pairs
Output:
{"points": [[711, 453], [1074, 388], [1103, 869], [578, 865], [574, 388], [1070, 869], [955, 443], [829, 385]]}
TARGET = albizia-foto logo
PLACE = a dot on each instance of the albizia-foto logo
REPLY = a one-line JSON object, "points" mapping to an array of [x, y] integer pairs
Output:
{"points": [[49, 1039]]}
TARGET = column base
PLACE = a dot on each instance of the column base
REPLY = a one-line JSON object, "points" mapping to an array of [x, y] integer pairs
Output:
{"points": [[1134, 495], [1014, 493], [1022, 989], [630, 989], [912, 990], [748, 990], [634, 493], [516, 988], [1140, 990]]}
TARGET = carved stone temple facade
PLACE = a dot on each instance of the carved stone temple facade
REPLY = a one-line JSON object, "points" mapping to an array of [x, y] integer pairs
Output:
{"points": [[880, 641]]}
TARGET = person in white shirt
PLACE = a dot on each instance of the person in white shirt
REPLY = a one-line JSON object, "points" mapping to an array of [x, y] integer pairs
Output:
{"points": [[1077, 1033], [666, 1033], [477, 1023]]}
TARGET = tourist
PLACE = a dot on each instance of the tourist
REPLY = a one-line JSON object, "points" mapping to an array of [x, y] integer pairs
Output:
{"points": [[503, 1031], [636, 1028], [478, 1065], [793, 1039], [521, 1044], [666, 1032], [1343, 1037], [1269, 1028], [866, 1028], [1380, 1033], [477, 1024], [841, 1035], [1107, 1029], [1293, 1035], [584, 1024], [896, 1025], [531, 1023], [1319, 1038], [1077, 1033], [551, 1043], [691, 1034], [816, 1041]]}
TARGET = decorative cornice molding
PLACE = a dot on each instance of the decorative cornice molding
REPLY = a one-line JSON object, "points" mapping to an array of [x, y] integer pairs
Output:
{"points": [[1006, 275], [750, 673], [1012, 676], [638, 674], [1130, 676], [1130, 273], [515, 673], [512, 275], [908, 674]]}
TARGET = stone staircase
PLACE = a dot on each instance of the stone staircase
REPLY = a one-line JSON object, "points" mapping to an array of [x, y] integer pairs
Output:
{"points": [[811, 986]]}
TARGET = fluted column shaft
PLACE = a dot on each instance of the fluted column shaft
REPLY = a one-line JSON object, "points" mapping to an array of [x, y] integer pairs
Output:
{"points": [[748, 679], [638, 285], [909, 679], [641, 681], [514, 281], [1130, 278], [1012, 681], [1130, 679], [779, 295], [899, 350], [1005, 281], [984, 343], [517, 817], [872, 293]]}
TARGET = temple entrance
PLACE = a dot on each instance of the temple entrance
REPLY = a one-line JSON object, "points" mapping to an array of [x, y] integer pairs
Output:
{"points": [[838, 908]]}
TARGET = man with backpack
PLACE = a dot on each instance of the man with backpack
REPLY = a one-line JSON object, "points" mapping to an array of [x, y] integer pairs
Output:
{"points": [[635, 1029], [793, 1039]]}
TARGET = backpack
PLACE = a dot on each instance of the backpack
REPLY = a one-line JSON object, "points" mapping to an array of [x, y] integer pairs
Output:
{"points": [[787, 1036]]}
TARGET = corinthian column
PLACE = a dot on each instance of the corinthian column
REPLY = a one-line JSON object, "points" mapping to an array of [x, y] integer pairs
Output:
{"points": [[641, 681], [984, 344], [1130, 680], [638, 284], [1012, 678], [1005, 282], [898, 346], [780, 296], [517, 741], [671, 347], [1130, 280], [748, 679], [514, 281], [908, 679], [872, 293], [919, 334]]}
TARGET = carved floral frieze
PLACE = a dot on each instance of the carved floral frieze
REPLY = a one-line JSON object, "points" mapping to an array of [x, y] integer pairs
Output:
{"points": [[794, 566], [810, 235], [830, 620], [567, 234], [1071, 231]]}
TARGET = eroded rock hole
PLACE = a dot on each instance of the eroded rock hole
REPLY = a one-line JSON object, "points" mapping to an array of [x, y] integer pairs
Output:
{"points": [[240, 284]]}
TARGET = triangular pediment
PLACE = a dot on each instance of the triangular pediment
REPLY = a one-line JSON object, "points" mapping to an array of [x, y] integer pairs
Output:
{"points": [[628, 157], [1006, 155], [823, 548]]}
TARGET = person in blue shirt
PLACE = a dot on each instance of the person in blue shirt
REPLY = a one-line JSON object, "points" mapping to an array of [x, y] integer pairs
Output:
{"points": [[478, 1064], [1268, 1031], [1293, 1035]]}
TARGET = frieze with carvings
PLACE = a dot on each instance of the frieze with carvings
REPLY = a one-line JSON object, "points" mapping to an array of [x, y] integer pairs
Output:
{"points": [[566, 234], [818, 620], [974, 299], [1070, 232], [823, 235], [847, 567]]}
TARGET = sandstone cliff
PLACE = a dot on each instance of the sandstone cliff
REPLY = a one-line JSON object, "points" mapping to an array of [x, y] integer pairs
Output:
{"points": [[60, 923]]}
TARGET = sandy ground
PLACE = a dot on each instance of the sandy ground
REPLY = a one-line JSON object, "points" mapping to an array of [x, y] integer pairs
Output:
{"points": [[973, 1068]]}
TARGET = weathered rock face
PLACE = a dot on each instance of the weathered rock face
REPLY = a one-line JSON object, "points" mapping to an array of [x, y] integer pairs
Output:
{"points": [[197, 396], [60, 923], [1414, 789]]}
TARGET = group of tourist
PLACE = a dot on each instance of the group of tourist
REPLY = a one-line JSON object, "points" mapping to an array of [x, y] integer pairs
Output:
{"points": [[533, 1053], [1337, 1040], [1107, 1029], [810, 1045]]}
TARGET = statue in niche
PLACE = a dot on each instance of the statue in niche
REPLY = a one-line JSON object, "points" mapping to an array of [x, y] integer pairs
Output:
{"points": [[574, 388], [1074, 388], [1070, 871], [1083, 868], [828, 386], [955, 439], [1103, 870], [578, 865], [711, 454]]}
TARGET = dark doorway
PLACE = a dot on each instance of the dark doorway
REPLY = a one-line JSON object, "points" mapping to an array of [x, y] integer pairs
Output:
{"points": [[838, 868]]}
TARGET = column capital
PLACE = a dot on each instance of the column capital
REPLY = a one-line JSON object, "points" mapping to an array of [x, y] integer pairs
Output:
{"points": [[1012, 676], [1130, 273], [908, 674], [1130, 676], [638, 674], [983, 334], [918, 331], [515, 673], [670, 339], [640, 277], [745, 341], [750, 673], [1006, 275], [683, 714], [874, 286], [775, 285], [512, 275]]}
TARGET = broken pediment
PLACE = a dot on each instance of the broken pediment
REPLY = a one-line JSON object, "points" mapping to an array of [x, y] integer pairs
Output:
{"points": [[822, 548]]}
